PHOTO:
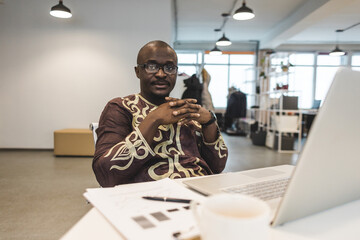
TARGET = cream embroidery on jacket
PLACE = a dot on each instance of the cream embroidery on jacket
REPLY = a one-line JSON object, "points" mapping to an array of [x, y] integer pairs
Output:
{"points": [[220, 146], [170, 150]]}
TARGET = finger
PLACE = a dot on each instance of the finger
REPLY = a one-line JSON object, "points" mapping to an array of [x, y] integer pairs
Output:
{"points": [[188, 118], [180, 102], [194, 106], [183, 111], [183, 121], [191, 116], [190, 100], [189, 107], [171, 99], [173, 102], [177, 102]]}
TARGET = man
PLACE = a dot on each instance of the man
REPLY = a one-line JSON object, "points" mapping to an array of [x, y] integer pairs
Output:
{"points": [[150, 136]]}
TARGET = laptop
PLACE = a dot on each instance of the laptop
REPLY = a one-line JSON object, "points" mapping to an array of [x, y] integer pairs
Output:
{"points": [[327, 171]]}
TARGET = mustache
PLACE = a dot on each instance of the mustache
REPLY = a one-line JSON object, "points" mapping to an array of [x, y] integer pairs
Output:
{"points": [[160, 81]]}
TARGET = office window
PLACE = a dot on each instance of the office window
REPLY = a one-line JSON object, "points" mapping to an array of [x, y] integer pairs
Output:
{"points": [[304, 59], [227, 70], [355, 62], [310, 76], [218, 87], [247, 59], [188, 70], [214, 59], [189, 62], [326, 68], [327, 60], [302, 83], [187, 58], [242, 77], [280, 58], [299, 77], [230, 70], [303, 77]]}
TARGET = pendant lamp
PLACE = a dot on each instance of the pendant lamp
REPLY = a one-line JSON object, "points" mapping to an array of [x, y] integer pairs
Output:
{"points": [[60, 11], [223, 41], [337, 51], [243, 13], [215, 51]]}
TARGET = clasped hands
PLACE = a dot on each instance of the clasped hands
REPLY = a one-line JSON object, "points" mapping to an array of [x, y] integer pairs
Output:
{"points": [[180, 111]]}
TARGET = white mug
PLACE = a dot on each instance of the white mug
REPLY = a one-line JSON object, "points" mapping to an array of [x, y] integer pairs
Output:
{"points": [[232, 216]]}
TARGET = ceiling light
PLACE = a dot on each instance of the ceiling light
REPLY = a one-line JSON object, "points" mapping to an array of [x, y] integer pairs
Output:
{"points": [[60, 11], [223, 41], [243, 13], [337, 52], [215, 51]]}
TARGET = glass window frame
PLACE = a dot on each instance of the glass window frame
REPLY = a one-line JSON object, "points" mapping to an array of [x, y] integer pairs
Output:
{"points": [[345, 62], [228, 63]]}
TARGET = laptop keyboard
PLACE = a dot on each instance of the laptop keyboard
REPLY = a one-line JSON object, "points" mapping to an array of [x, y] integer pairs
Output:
{"points": [[265, 190]]}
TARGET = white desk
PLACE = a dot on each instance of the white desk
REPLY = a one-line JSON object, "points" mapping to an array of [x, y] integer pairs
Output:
{"points": [[342, 222]]}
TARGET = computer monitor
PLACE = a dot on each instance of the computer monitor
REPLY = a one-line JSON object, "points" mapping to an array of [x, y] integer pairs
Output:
{"points": [[316, 104]]}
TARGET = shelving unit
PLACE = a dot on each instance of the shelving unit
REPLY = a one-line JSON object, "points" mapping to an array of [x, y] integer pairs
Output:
{"points": [[282, 125], [278, 121], [271, 115]]}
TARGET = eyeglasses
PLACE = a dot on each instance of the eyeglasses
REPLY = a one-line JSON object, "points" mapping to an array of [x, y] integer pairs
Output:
{"points": [[154, 68]]}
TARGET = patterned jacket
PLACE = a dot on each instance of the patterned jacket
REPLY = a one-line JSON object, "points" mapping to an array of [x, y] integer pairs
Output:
{"points": [[123, 156]]}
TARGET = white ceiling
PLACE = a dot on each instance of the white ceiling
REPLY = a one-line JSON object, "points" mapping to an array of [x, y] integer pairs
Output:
{"points": [[276, 23]]}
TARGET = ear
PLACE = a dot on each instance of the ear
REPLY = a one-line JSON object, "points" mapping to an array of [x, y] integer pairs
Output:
{"points": [[137, 72]]}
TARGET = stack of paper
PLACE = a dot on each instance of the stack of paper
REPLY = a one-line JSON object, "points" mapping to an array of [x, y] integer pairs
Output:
{"points": [[138, 218]]}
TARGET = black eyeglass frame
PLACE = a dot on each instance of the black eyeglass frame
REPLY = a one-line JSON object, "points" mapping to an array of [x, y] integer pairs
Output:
{"points": [[159, 66]]}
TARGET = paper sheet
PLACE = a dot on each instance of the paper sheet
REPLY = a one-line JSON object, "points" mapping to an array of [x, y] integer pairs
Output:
{"points": [[138, 218]]}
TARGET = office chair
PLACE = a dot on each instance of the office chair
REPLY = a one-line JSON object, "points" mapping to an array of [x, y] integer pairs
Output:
{"points": [[93, 127]]}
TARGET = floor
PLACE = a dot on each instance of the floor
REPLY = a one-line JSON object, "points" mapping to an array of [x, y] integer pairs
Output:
{"points": [[41, 195]]}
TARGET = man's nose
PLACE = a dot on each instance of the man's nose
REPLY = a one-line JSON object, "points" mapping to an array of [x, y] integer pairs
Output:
{"points": [[161, 72]]}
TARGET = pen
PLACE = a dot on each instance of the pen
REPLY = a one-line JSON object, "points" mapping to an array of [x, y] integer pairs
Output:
{"points": [[167, 199]]}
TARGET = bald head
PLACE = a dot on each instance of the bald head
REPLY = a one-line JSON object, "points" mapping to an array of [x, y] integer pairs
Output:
{"points": [[154, 46]]}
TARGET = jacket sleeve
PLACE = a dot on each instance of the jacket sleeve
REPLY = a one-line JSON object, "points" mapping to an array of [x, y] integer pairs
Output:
{"points": [[215, 154], [121, 150]]}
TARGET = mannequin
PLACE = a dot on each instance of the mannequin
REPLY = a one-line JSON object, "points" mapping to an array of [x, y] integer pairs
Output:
{"points": [[206, 96]]}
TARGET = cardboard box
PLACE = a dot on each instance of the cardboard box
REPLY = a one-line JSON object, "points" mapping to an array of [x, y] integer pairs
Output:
{"points": [[73, 142]]}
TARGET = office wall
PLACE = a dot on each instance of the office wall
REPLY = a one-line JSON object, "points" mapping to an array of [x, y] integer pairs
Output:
{"points": [[59, 73]]}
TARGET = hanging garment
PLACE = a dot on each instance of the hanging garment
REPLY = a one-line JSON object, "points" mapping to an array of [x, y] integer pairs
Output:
{"points": [[193, 88], [206, 96], [236, 108]]}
